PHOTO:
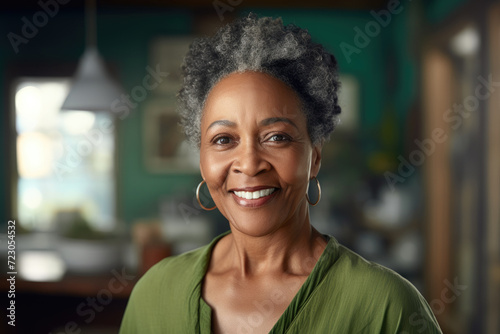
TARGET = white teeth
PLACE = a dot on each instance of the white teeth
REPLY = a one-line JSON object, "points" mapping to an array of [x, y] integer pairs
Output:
{"points": [[254, 194]]}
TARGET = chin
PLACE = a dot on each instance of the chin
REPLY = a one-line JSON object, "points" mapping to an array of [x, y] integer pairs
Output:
{"points": [[255, 225], [253, 231]]}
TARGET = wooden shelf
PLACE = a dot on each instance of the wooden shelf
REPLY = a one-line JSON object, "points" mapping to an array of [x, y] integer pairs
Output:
{"points": [[75, 286]]}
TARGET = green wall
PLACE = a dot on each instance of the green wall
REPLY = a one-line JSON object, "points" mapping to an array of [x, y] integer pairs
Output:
{"points": [[438, 10]]}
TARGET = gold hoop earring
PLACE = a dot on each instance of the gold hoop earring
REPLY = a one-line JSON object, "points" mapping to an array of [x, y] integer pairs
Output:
{"points": [[319, 193], [198, 197]]}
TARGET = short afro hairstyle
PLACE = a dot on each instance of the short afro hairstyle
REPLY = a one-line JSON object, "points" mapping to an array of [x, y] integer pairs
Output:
{"points": [[262, 45]]}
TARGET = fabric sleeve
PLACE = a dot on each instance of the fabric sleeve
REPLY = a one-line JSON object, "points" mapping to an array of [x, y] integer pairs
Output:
{"points": [[138, 317], [408, 312], [379, 300]]}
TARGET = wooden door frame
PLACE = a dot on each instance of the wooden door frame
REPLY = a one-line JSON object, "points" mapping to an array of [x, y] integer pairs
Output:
{"points": [[437, 79]]}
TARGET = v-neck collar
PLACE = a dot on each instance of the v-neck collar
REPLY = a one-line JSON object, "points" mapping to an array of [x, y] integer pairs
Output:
{"points": [[321, 268]]}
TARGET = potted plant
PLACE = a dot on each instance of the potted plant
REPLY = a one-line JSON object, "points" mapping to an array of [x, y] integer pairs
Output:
{"points": [[88, 251]]}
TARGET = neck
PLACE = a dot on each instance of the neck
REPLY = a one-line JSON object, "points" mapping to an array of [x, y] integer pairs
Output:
{"points": [[292, 249]]}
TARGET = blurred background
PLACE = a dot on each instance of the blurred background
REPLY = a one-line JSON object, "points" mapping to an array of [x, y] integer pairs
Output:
{"points": [[97, 177]]}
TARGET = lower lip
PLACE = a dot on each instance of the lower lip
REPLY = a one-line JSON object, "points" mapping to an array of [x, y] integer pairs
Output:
{"points": [[252, 203]]}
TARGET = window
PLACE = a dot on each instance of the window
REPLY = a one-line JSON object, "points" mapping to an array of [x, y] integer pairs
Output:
{"points": [[65, 160]]}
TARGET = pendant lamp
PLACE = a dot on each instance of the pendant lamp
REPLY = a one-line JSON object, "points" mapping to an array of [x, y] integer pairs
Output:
{"points": [[93, 89]]}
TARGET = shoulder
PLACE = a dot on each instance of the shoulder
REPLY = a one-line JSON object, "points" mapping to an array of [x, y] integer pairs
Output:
{"points": [[185, 269], [172, 269], [180, 271], [390, 299], [168, 288], [369, 275]]}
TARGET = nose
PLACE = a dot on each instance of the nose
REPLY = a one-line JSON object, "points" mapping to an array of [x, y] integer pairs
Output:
{"points": [[250, 160]]}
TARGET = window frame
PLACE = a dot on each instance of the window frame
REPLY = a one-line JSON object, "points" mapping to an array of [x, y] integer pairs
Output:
{"points": [[40, 71]]}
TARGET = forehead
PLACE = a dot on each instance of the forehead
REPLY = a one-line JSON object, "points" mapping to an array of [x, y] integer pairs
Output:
{"points": [[250, 95]]}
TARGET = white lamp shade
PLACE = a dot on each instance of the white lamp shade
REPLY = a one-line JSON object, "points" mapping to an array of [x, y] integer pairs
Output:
{"points": [[92, 89]]}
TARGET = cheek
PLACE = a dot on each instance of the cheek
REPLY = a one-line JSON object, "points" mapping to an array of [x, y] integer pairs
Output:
{"points": [[214, 169], [294, 167]]}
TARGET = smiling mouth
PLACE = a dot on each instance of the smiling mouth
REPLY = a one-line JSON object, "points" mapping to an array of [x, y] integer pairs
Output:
{"points": [[254, 194]]}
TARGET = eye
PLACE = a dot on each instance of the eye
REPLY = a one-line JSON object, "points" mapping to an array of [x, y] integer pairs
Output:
{"points": [[222, 140], [279, 138]]}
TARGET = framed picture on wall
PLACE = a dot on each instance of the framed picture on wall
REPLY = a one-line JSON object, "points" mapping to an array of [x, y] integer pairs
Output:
{"points": [[165, 149], [167, 54]]}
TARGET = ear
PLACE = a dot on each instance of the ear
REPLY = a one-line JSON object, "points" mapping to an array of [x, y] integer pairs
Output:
{"points": [[316, 159]]}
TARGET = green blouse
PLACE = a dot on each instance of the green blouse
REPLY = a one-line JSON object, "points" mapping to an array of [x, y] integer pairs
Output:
{"points": [[343, 294]]}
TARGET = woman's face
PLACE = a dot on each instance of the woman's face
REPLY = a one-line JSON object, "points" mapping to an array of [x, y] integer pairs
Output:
{"points": [[255, 155]]}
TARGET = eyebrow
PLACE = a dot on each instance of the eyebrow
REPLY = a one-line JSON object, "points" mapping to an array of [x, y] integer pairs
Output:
{"points": [[222, 122], [272, 120], [265, 122]]}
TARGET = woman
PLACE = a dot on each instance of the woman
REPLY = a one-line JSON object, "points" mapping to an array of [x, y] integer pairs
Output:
{"points": [[259, 100]]}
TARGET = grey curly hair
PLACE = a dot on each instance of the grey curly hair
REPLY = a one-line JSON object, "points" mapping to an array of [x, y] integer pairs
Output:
{"points": [[263, 45]]}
